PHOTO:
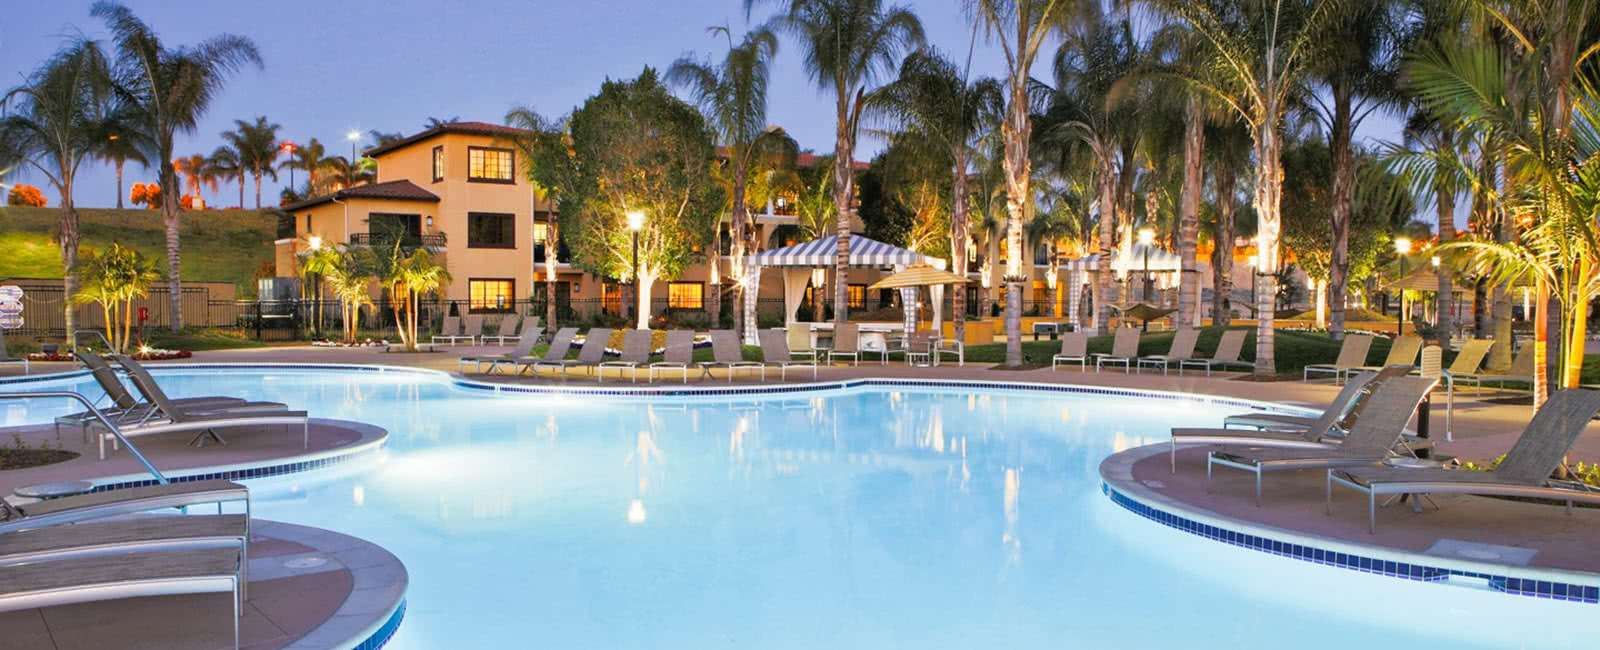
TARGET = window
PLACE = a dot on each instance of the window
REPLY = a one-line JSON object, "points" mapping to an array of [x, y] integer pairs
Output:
{"points": [[438, 163], [611, 298], [491, 230], [487, 165], [308, 223], [858, 296], [541, 231], [686, 295], [490, 295]]}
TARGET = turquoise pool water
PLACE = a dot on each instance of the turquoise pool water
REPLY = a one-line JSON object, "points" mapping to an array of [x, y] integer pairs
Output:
{"points": [[927, 518]]}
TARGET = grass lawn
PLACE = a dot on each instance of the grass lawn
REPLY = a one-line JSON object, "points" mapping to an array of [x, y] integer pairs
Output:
{"points": [[195, 340], [217, 245]]}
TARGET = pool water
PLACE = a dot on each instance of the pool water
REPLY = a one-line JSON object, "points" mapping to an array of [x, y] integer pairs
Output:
{"points": [[872, 518]]}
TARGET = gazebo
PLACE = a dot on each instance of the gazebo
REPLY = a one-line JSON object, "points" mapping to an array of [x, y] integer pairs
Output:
{"points": [[798, 261], [1163, 265]]}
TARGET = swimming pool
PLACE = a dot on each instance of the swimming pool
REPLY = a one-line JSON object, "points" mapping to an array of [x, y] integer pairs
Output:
{"points": [[862, 518]]}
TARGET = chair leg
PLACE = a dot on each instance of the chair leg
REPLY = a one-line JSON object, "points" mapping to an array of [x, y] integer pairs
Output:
{"points": [[1372, 513], [1258, 487], [1327, 494]]}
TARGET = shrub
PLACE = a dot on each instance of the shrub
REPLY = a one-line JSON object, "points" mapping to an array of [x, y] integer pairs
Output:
{"points": [[25, 195]]}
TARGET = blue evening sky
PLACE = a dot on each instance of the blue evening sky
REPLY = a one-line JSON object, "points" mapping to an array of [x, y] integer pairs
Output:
{"points": [[333, 66]]}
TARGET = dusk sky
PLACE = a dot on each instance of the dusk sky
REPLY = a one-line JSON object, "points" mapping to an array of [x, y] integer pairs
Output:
{"points": [[335, 66]]}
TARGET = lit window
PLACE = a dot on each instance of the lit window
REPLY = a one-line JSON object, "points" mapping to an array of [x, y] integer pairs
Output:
{"points": [[493, 295], [489, 165], [438, 163], [686, 295], [541, 231], [858, 296]]}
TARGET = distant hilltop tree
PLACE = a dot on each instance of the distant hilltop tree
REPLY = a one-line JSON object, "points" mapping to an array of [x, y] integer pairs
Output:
{"points": [[25, 195]]}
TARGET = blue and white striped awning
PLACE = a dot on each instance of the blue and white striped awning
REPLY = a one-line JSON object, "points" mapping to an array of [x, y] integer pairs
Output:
{"points": [[824, 252]]}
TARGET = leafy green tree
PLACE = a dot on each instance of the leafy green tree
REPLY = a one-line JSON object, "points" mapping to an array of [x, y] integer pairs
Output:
{"points": [[55, 121], [169, 89], [846, 46], [113, 279], [409, 278], [733, 95], [549, 165], [637, 148], [935, 103]]}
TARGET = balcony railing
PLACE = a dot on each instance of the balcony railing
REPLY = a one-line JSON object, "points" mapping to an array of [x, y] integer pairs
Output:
{"points": [[286, 224], [409, 242], [563, 254]]}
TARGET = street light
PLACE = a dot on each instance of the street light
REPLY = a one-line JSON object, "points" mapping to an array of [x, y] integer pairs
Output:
{"points": [[1146, 237], [288, 148], [1402, 246], [354, 137], [635, 223]]}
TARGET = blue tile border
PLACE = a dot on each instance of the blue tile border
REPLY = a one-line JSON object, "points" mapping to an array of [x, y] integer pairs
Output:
{"points": [[386, 631], [245, 473], [1351, 561]]}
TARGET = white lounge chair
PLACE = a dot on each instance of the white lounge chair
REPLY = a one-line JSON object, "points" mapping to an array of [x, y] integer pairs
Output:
{"points": [[799, 341], [1229, 347], [1124, 349], [727, 353], [177, 418], [524, 348], [1352, 356], [1074, 347], [508, 329], [635, 353], [110, 503], [846, 343], [775, 352], [677, 355], [449, 332], [1182, 350], [554, 356]]}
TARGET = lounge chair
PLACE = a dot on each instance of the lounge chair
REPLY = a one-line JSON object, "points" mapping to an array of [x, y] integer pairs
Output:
{"points": [[1182, 350], [177, 418], [1074, 347], [1349, 400], [1521, 369], [124, 406], [524, 348], [1229, 347], [1373, 437], [471, 329], [799, 341], [727, 353], [554, 356], [110, 503], [1403, 352], [508, 329], [1352, 356], [635, 353], [449, 332], [943, 346], [145, 534], [1124, 350], [590, 355], [1525, 471], [47, 584], [846, 343], [5, 355], [775, 352], [677, 355], [1278, 431], [1465, 366]]}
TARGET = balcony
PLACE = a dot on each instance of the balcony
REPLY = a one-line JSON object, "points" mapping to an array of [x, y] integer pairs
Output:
{"points": [[407, 242], [286, 226]]}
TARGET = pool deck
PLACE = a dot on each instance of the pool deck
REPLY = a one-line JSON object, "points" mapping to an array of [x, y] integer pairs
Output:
{"points": [[309, 588], [1293, 500]]}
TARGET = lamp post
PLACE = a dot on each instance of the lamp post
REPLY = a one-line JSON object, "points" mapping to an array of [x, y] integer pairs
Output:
{"points": [[635, 223], [1402, 246], [1441, 303], [1146, 237], [288, 148], [1254, 262], [353, 136]]}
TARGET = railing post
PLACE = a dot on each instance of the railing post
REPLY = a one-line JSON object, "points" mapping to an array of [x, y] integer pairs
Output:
{"points": [[258, 319]]}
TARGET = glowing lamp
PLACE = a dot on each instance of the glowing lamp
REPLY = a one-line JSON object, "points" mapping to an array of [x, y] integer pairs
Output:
{"points": [[1146, 236], [1402, 245], [635, 220], [315, 242]]}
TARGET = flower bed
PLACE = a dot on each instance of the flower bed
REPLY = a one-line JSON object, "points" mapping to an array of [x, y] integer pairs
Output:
{"points": [[142, 354], [364, 343]]}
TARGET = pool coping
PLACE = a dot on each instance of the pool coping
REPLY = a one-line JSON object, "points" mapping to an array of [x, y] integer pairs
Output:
{"points": [[376, 605], [1122, 489], [373, 443]]}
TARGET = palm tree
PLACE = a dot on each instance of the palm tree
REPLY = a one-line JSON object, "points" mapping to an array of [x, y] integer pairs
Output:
{"points": [[936, 103], [547, 159], [257, 145], [350, 279], [312, 159], [381, 139], [733, 95], [121, 146], [113, 279], [316, 264], [224, 162], [55, 121], [1060, 215], [434, 122], [1359, 69], [197, 174], [1257, 58], [847, 45], [416, 275], [343, 173], [1021, 27], [170, 89]]}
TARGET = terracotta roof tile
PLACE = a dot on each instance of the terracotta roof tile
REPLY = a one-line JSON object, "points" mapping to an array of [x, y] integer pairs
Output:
{"points": [[468, 128], [401, 190]]}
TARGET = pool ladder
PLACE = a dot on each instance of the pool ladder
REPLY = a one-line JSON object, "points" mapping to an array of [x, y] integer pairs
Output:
{"points": [[98, 415]]}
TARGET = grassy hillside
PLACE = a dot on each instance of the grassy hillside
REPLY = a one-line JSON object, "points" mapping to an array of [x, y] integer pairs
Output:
{"points": [[218, 245]]}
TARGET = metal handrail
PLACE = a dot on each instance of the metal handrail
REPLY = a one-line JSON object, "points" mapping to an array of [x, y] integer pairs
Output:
{"points": [[78, 334], [160, 478]]}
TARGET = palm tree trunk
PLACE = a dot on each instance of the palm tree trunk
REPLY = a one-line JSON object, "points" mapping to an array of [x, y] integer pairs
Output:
{"points": [[1269, 185], [552, 248], [736, 228], [170, 218], [958, 242], [1343, 196], [1016, 129], [258, 189], [1103, 243], [1194, 143], [120, 162], [1222, 250], [68, 240], [843, 198], [1445, 322]]}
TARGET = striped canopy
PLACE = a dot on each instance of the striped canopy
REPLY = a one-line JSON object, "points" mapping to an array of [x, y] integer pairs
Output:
{"points": [[824, 252], [918, 276], [1160, 260]]}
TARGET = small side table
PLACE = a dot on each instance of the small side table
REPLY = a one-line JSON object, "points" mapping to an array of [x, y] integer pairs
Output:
{"points": [[47, 491]]}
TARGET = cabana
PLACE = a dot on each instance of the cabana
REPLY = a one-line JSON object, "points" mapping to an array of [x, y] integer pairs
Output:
{"points": [[1164, 266], [799, 260]]}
